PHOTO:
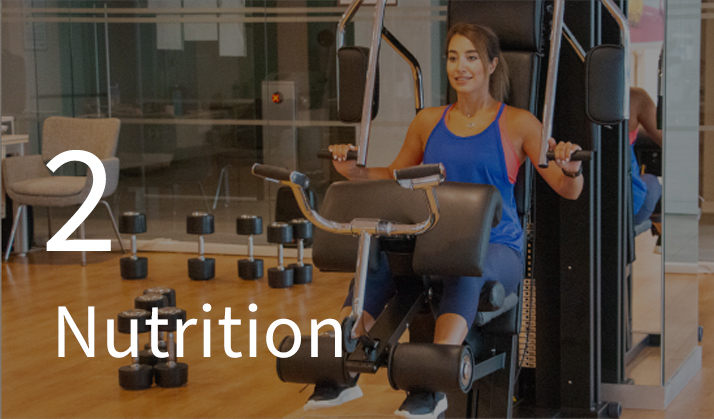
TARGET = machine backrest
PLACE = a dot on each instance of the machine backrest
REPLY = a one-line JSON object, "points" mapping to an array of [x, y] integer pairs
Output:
{"points": [[455, 246], [520, 31]]}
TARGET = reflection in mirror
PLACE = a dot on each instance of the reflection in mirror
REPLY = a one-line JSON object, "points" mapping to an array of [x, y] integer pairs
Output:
{"points": [[643, 355]]}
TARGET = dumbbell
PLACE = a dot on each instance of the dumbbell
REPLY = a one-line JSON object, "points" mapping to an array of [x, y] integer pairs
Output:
{"points": [[200, 268], [302, 230], [169, 293], [136, 376], [171, 373], [280, 234], [250, 225], [133, 267], [148, 302]]}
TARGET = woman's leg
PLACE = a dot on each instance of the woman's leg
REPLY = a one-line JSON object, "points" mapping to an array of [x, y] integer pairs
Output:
{"points": [[460, 297]]}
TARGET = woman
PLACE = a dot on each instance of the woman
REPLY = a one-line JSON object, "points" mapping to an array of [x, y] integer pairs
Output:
{"points": [[479, 140]]}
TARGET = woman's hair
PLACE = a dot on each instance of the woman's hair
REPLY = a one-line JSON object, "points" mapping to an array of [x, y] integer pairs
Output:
{"points": [[486, 44]]}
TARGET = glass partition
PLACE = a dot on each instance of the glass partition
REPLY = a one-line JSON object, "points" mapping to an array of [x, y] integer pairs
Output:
{"points": [[205, 89]]}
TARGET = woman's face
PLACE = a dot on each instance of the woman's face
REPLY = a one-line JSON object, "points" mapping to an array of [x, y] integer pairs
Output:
{"points": [[465, 67]]}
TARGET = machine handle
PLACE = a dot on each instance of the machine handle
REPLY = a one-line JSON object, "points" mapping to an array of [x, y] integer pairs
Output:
{"points": [[327, 154], [580, 155], [279, 174]]}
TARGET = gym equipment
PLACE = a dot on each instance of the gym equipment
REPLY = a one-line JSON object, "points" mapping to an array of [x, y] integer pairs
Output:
{"points": [[136, 376], [133, 267], [280, 234], [302, 230], [200, 268], [250, 225], [391, 222], [148, 302], [171, 373], [169, 293]]}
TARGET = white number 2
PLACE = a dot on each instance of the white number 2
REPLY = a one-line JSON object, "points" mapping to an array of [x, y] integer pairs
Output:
{"points": [[59, 242]]}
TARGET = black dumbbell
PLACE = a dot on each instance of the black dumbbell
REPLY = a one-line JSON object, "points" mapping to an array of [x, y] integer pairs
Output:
{"points": [[136, 376], [250, 225], [302, 230], [200, 268], [133, 267], [280, 234], [148, 302], [171, 373], [169, 293]]}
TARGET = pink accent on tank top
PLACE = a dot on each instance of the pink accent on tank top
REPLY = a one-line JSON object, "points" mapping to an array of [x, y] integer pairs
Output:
{"points": [[633, 136]]}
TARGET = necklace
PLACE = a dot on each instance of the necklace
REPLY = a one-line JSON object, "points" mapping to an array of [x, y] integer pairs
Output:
{"points": [[469, 124]]}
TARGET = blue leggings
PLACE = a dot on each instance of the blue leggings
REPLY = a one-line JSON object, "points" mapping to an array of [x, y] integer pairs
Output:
{"points": [[654, 192], [460, 293]]}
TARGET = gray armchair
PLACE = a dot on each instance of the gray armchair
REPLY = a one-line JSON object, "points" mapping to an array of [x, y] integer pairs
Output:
{"points": [[28, 181]]}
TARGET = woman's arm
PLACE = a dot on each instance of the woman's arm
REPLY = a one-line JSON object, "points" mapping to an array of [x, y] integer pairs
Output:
{"points": [[646, 113], [528, 128], [411, 153]]}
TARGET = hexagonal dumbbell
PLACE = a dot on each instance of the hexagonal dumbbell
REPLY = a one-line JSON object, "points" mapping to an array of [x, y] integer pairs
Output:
{"points": [[136, 376], [169, 293], [133, 267], [250, 225], [200, 268], [280, 234], [302, 230], [171, 373], [148, 302]]}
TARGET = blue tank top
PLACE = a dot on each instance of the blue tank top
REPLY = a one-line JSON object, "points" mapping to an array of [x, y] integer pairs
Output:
{"points": [[639, 187], [478, 159]]}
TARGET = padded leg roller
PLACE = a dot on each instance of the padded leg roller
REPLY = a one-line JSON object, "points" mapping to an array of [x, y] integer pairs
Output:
{"points": [[323, 369], [201, 269], [446, 368]]}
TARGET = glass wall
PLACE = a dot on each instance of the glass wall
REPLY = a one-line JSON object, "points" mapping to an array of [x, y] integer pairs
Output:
{"points": [[204, 89]]}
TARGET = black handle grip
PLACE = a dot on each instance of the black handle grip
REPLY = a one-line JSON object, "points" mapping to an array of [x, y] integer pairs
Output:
{"points": [[280, 174], [271, 172], [421, 171], [580, 155], [327, 154]]}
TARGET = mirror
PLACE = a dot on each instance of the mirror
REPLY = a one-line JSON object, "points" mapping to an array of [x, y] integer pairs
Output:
{"points": [[643, 355], [681, 352]]}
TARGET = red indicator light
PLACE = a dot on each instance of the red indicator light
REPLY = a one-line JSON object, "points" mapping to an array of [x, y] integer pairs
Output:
{"points": [[277, 97]]}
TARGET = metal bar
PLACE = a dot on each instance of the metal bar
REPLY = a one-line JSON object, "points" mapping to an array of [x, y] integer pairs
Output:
{"points": [[340, 41], [346, 18], [489, 366], [550, 86], [413, 63], [573, 41], [360, 280], [625, 39], [366, 123]]}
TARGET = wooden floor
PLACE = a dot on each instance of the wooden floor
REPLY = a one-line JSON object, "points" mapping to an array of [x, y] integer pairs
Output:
{"points": [[39, 384]]}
